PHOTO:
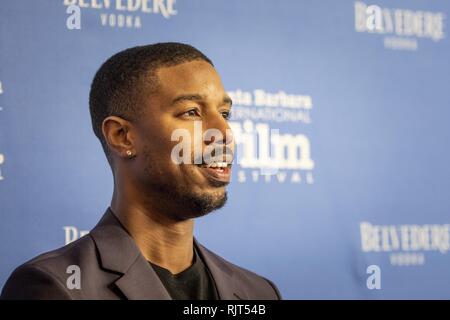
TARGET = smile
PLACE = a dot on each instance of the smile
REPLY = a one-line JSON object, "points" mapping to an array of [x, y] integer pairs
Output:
{"points": [[216, 171]]}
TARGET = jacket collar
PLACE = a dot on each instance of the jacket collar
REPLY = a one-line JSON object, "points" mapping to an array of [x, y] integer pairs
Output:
{"points": [[119, 253]]}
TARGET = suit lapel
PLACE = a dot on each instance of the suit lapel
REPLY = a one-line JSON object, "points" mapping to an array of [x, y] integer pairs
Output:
{"points": [[226, 285], [141, 282], [138, 281], [119, 253]]}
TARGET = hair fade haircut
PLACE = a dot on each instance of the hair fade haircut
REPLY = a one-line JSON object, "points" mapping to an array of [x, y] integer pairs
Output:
{"points": [[122, 82]]}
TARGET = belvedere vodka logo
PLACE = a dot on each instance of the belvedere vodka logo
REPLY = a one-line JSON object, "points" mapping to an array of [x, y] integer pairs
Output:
{"points": [[406, 244], [122, 13], [402, 28], [264, 152]]}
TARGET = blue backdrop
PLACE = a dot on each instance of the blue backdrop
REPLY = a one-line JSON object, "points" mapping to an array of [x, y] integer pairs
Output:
{"points": [[351, 99]]}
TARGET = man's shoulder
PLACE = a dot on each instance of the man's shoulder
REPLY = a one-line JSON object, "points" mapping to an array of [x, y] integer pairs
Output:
{"points": [[56, 261], [250, 281], [49, 271]]}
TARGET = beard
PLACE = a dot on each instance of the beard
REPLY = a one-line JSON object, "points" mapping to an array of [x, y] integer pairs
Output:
{"points": [[179, 202], [191, 204]]}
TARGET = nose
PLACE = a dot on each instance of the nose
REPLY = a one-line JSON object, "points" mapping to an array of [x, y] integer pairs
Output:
{"points": [[214, 122], [218, 132]]}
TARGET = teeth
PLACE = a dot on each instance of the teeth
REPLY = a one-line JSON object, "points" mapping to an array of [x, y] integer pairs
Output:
{"points": [[218, 165]]}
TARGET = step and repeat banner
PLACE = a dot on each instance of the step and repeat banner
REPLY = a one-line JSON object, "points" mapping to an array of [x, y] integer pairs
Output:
{"points": [[341, 116]]}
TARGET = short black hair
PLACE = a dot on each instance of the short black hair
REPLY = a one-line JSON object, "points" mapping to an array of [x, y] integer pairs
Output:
{"points": [[118, 86]]}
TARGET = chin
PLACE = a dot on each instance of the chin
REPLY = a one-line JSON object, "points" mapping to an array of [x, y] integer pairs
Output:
{"points": [[201, 204]]}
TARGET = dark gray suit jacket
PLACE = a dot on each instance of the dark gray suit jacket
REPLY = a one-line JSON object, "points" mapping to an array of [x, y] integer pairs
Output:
{"points": [[112, 267]]}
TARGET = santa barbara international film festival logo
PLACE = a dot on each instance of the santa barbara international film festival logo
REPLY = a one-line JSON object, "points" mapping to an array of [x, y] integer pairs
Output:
{"points": [[406, 244], [402, 28], [118, 13], [264, 153]]}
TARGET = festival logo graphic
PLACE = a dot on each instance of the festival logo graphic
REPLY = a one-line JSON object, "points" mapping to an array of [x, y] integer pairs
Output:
{"points": [[266, 153]]}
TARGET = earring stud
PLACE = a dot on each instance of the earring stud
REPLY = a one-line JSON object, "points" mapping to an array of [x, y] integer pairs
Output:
{"points": [[129, 153]]}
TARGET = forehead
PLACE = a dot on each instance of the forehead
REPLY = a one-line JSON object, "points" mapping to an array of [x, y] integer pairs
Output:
{"points": [[190, 77]]}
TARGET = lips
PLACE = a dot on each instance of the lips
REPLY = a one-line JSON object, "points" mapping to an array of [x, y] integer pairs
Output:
{"points": [[219, 176]]}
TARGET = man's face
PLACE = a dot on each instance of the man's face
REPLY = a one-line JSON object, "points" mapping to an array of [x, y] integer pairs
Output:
{"points": [[188, 95]]}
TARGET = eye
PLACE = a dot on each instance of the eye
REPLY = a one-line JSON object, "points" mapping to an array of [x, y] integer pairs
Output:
{"points": [[226, 114], [191, 113]]}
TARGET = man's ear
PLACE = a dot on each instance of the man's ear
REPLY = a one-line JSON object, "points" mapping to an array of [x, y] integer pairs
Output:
{"points": [[119, 136]]}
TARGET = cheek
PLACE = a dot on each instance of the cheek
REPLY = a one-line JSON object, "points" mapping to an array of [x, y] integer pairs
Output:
{"points": [[156, 138], [181, 143], [166, 136]]}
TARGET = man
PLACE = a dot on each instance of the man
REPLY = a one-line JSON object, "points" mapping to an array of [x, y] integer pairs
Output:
{"points": [[143, 247]]}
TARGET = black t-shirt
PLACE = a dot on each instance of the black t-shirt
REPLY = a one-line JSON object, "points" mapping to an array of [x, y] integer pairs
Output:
{"points": [[194, 283]]}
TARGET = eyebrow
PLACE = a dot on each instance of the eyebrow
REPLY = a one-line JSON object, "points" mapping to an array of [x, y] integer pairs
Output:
{"points": [[198, 97]]}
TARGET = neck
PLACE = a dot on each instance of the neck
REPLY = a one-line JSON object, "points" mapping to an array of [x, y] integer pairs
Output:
{"points": [[161, 240]]}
